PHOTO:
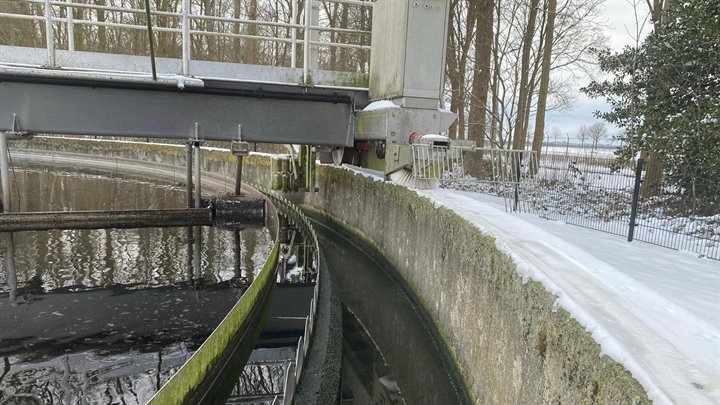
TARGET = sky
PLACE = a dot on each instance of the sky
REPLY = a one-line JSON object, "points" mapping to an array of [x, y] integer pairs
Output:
{"points": [[620, 18]]}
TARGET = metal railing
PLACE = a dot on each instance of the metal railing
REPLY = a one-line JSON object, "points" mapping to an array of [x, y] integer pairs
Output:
{"points": [[53, 11], [504, 174], [298, 219], [598, 193], [437, 162]]}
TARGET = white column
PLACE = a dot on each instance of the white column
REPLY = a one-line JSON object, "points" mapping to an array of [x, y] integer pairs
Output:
{"points": [[49, 35]]}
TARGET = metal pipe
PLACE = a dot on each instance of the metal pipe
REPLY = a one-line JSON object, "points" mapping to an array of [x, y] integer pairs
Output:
{"points": [[150, 38], [4, 173], [21, 17], [188, 173], [306, 41], [186, 49], [293, 48], [238, 175], [49, 35], [198, 195], [70, 27]]}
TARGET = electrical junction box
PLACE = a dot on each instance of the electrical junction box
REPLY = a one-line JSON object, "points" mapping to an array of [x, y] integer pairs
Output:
{"points": [[407, 62]]}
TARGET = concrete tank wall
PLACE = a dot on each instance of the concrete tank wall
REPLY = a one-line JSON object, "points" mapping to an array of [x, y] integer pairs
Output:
{"points": [[511, 345]]}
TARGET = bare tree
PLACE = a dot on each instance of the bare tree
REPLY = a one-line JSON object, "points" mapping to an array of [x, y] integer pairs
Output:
{"points": [[597, 131], [583, 133], [544, 78]]}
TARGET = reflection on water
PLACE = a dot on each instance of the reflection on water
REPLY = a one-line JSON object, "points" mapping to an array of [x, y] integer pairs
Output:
{"points": [[421, 371], [107, 316], [366, 377]]}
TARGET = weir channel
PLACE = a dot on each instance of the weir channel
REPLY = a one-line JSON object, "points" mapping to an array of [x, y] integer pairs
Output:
{"points": [[110, 315]]}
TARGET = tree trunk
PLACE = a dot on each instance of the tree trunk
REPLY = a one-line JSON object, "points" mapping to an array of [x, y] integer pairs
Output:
{"points": [[544, 80], [520, 124], [480, 85], [481, 73], [251, 46]]}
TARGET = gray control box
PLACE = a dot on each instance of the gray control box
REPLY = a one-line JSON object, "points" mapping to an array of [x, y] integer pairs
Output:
{"points": [[408, 51]]}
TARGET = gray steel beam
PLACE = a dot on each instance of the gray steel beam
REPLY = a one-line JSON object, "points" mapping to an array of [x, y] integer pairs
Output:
{"points": [[268, 113]]}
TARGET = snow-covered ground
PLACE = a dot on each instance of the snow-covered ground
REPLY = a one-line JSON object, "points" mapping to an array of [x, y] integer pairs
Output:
{"points": [[654, 310]]}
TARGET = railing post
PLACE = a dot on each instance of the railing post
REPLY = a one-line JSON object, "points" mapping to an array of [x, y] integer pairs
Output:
{"points": [[293, 47], [635, 199], [306, 41], [186, 38], [70, 27], [49, 35], [516, 193]]}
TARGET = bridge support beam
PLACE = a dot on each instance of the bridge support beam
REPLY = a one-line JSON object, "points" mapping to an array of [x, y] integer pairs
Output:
{"points": [[268, 113]]}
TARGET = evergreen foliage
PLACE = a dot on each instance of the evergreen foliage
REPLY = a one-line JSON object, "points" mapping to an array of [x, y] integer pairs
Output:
{"points": [[665, 94]]}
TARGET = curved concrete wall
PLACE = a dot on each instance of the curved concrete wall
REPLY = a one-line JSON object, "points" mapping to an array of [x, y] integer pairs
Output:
{"points": [[510, 343]]}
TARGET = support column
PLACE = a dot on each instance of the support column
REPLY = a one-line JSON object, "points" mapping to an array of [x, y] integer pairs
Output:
{"points": [[238, 175], [4, 173], [198, 195], [188, 174]]}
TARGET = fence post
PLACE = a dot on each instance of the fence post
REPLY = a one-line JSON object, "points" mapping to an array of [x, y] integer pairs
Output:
{"points": [[517, 179], [636, 197]]}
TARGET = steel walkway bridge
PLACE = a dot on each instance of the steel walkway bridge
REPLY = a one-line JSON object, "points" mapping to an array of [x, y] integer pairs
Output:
{"points": [[48, 85]]}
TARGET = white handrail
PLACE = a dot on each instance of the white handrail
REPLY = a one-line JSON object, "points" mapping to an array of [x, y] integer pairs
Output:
{"points": [[71, 27], [49, 37], [186, 49], [185, 18]]}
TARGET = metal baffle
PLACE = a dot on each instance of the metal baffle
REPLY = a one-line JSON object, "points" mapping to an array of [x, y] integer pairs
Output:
{"points": [[4, 173]]}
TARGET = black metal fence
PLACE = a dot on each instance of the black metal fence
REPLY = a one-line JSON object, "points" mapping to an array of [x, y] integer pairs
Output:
{"points": [[631, 198]]}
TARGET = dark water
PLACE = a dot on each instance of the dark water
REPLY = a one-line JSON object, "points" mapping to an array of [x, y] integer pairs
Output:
{"points": [[391, 353], [107, 316]]}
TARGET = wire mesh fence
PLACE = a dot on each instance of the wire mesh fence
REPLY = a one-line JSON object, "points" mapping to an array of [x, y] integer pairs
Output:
{"points": [[502, 175], [625, 198]]}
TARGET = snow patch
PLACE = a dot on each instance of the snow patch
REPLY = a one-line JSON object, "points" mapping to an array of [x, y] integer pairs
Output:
{"points": [[379, 105]]}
